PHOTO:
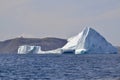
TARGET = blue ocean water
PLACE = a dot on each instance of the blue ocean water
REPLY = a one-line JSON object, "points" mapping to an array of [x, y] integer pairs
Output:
{"points": [[60, 67]]}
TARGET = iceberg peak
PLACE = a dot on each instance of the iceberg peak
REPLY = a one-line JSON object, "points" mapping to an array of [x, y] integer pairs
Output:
{"points": [[89, 41]]}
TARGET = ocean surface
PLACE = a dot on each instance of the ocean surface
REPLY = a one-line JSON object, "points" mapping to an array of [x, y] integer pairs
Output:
{"points": [[60, 67]]}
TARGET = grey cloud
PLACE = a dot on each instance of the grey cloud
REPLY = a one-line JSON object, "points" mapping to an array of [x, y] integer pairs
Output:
{"points": [[65, 19]]}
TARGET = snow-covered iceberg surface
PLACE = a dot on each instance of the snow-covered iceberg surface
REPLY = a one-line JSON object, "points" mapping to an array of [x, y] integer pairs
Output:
{"points": [[88, 41], [27, 49], [24, 49]]}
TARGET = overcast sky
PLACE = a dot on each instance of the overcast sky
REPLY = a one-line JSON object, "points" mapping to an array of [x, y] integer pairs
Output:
{"points": [[59, 18]]}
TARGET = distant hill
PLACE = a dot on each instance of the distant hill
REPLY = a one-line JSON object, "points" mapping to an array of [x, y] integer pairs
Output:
{"points": [[11, 46]]}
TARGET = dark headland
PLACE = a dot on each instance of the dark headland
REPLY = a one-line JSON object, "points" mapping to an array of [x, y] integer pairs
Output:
{"points": [[49, 43]]}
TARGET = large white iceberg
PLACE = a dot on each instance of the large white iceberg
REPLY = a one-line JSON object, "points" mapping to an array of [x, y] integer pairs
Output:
{"points": [[88, 41]]}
